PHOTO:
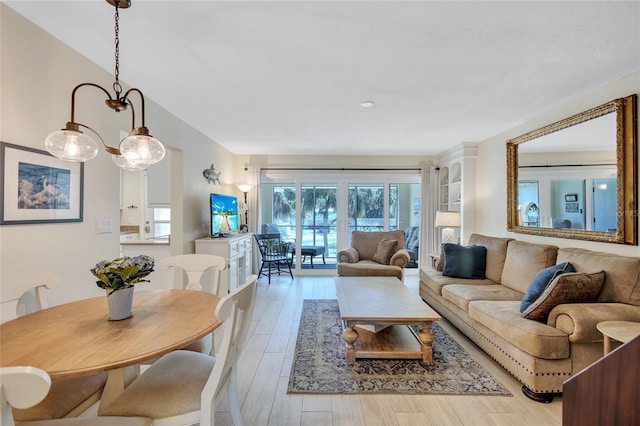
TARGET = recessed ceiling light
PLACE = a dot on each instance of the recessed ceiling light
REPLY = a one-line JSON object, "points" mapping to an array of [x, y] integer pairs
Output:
{"points": [[366, 104]]}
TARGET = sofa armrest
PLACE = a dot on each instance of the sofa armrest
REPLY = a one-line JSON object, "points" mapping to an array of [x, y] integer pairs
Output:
{"points": [[348, 255], [579, 320], [400, 258]]}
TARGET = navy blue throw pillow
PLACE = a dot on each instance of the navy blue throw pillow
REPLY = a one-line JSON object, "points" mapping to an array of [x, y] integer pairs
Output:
{"points": [[541, 281], [464, 262]]}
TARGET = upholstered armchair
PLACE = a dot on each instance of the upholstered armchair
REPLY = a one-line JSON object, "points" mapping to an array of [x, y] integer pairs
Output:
{"points": [[374, 254]]}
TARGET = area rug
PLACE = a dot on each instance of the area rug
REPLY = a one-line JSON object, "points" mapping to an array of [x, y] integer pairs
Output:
{"points": [[319, 365]]}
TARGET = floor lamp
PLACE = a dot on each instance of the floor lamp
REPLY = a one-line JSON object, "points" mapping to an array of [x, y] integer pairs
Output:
{"points": [[245, 188], [447, 221]]}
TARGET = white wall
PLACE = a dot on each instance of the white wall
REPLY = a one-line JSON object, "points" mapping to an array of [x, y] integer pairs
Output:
{"points": [[491, 185], [36, 78]]}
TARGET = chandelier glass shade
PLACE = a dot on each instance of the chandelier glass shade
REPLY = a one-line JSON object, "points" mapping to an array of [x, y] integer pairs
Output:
{"points": [[71, 145], [136, 152]]}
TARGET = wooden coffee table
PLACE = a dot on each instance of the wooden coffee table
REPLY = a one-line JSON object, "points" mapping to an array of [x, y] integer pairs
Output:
{"points": [[384, 301]]}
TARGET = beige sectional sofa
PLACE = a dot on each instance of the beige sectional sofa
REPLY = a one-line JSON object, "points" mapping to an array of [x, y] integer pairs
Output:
{"points": [[541, 355]]}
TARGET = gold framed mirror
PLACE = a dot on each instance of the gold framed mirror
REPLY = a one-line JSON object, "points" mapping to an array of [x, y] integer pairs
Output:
{"points": [[577, 178]]}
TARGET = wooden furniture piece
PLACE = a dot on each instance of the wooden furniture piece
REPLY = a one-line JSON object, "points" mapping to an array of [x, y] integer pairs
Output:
{"points": [[182, 387], [237, 250], [387, 301], [274, 253], [76, 339], [24, 387], [619, 331], [67, 397], [607, 392]]}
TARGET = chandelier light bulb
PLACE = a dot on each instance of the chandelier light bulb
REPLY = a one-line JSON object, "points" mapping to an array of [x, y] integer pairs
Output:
{"points": [[142, 149], [125, 164], [71, 145]]}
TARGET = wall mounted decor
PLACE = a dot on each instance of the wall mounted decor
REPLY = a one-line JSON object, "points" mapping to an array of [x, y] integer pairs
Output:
{"points": [[211, 175], [38, 187]]}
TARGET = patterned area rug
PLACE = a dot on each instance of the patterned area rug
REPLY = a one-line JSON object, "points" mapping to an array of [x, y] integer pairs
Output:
{"points": [[319, 364]]}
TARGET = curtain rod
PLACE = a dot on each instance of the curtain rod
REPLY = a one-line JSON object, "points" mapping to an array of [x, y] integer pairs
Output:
{"points": [[341, 169], [566, 165]]}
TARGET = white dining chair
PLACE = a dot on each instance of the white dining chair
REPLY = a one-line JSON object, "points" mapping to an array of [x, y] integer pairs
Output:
{"points": [[22, 295], [24, 387], [182, 387], [195, 272], [196, 269]]}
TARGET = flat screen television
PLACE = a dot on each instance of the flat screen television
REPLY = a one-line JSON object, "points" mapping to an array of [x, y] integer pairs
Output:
{"points": [[224, 214]]}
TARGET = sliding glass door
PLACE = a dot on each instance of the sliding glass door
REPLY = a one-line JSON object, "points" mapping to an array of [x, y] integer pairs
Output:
{"points": [[317, 215]]}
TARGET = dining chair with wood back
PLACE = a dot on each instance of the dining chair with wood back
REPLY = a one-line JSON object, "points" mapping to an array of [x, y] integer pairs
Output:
{"points": [[182, 387], [67, 397], [195, 272], [24, 387]]}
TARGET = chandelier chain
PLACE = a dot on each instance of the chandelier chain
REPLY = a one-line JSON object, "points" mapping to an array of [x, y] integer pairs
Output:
{"points": [[116, 84]]}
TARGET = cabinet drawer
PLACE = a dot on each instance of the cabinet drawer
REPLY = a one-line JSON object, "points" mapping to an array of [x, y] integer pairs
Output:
{"points": [[233, 248]]}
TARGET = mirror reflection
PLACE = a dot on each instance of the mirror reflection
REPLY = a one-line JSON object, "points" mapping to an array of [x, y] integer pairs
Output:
{"points": [[571, 179]]}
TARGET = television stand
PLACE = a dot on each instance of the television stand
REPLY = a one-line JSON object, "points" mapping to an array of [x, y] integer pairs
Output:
{"points": [[236, 249]]}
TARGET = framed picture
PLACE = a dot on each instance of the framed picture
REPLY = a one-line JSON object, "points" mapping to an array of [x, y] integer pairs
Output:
{"points": [[572, 207], [37, 187], [571, 198]]}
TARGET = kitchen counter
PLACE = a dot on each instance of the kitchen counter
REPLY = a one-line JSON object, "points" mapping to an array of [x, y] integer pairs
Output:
{"points": [[149, 241]]}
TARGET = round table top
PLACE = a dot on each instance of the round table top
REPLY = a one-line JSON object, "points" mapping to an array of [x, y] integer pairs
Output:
{"points": [[76, 339], [622, 331]]}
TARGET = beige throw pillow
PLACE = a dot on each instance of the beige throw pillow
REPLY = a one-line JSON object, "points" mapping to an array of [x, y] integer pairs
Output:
{"points": [[440, 264], [565, 288], [386, 249]]}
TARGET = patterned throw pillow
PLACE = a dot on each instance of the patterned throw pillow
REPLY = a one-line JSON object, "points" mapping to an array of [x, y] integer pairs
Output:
{"points": [[464, 262], [542, 279], [386, 249], [566, 288], [440, 264]]}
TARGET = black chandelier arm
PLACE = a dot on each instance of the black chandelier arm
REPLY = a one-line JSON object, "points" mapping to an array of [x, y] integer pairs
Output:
{"points": [[110, 150], [124, 99], [73, 97]]}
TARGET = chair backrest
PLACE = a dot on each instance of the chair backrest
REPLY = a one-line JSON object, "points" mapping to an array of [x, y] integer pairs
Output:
{"points": [[21, 387], [23, 294], [236, 311], [366, 243], [194, 267], [270, 228], [272, 247]]}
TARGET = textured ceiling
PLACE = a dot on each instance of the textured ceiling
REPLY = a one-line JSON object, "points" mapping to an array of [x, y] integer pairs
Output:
{"points": [[288, 77]]}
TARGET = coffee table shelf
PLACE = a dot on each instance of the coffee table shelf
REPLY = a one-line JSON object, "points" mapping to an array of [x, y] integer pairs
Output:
{"points": [[384, 300]]}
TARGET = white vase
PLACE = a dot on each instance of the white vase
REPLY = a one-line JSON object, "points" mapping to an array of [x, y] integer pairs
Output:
{"points": [[120, 303]]}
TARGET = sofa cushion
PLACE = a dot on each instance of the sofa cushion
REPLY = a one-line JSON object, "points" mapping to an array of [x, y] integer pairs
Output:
{"points": [[464, 262], [541, 281], [496, 253], [440, 264], [523, 262], [386, 249], [535, 338], [435, 281], [622, 278], [461, 294], [366, 243], [565, 288]]}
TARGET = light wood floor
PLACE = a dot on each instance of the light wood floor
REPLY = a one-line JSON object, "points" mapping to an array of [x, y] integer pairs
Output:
{"points": [[265, 364]]}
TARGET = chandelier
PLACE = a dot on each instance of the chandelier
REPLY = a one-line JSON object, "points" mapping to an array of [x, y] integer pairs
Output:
{"points": [[137, 151]]}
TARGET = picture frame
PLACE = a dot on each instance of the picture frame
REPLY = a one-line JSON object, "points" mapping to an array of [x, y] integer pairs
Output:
{"points": [[571, 198], [36, 187]]}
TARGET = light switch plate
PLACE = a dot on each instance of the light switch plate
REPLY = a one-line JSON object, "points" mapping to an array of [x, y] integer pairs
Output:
{"points": [[104, 226]]}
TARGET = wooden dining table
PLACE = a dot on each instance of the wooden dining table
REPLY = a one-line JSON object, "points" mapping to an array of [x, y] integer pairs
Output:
{"points": [[77, 339]]}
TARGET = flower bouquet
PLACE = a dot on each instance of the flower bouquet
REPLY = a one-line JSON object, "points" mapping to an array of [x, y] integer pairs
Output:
{"points": [[118, 277], [123, 272]]}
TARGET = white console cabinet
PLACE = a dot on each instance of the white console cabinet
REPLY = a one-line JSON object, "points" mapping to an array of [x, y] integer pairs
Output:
{"points": [[236, 250]]}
